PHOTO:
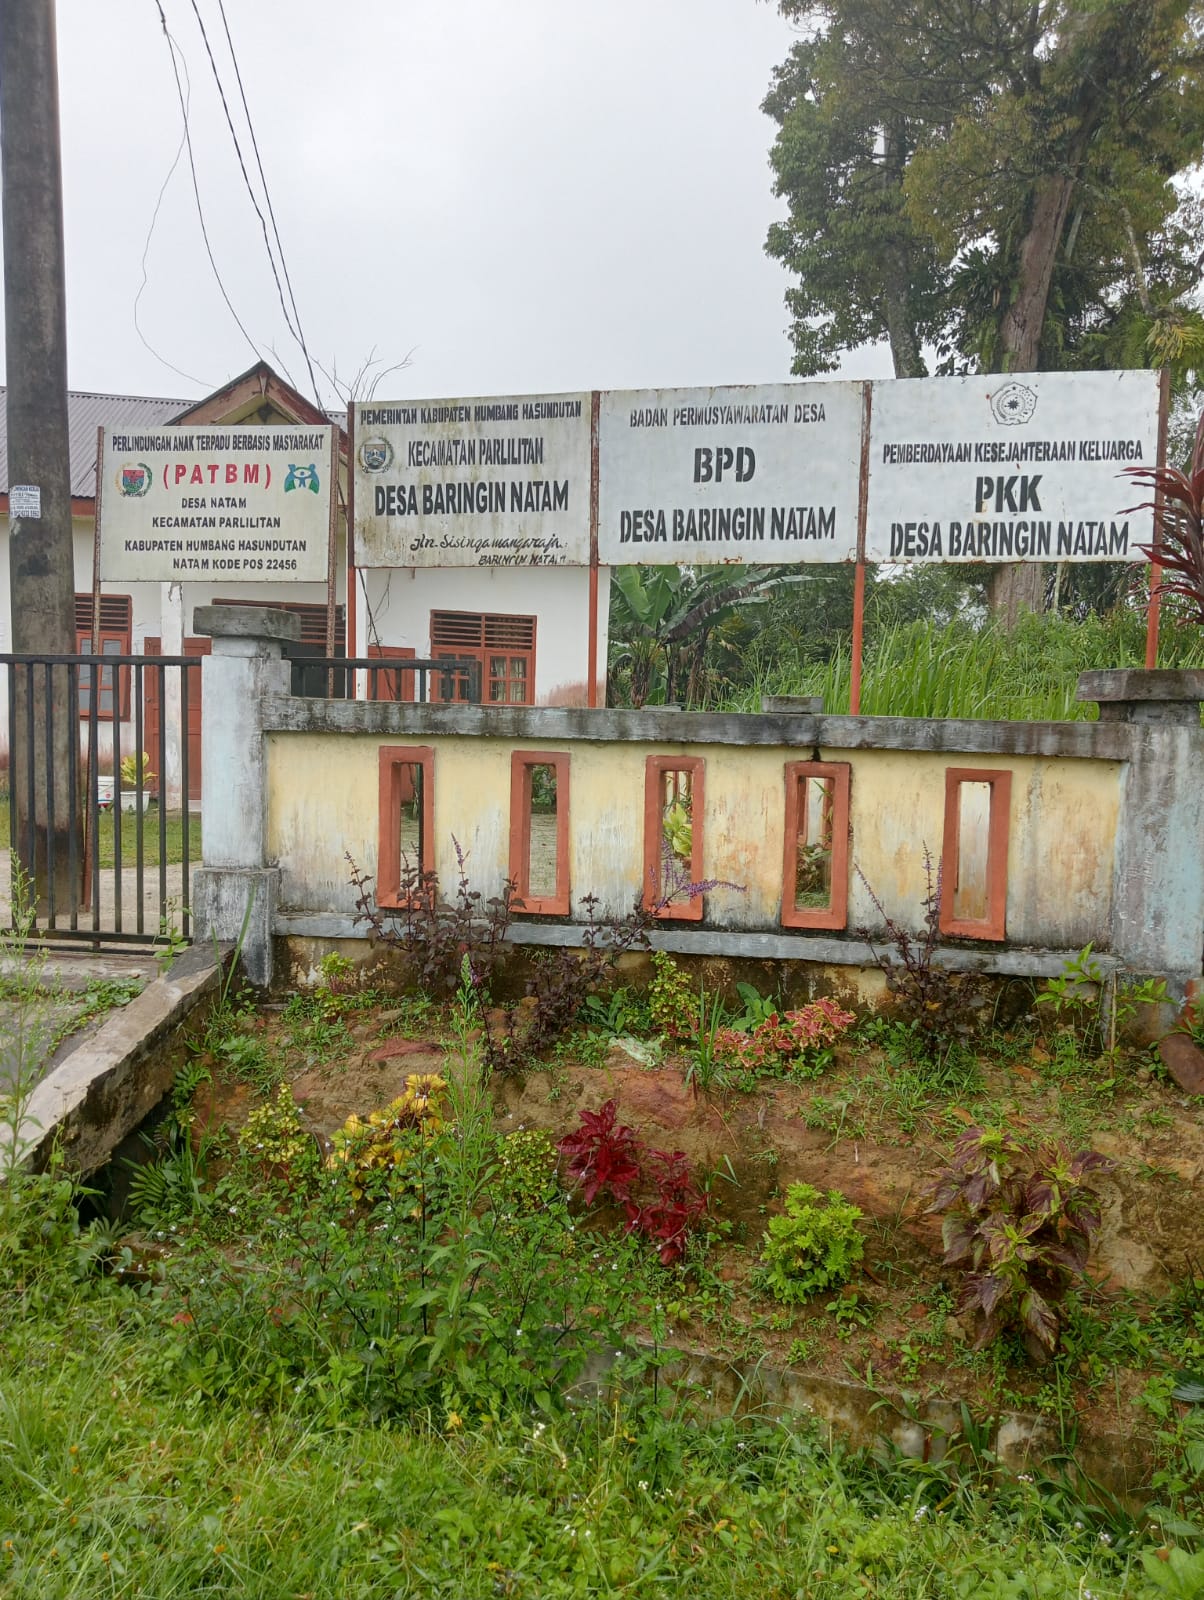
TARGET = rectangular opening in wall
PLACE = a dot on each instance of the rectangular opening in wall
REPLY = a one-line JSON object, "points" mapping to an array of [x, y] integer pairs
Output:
{"points": [[539, 832], [975, 854], [815, 870], [405, 845], [673, 819]]}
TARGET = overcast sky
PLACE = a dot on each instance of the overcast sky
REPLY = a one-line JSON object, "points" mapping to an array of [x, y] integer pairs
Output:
{"points": [[529, 196]]}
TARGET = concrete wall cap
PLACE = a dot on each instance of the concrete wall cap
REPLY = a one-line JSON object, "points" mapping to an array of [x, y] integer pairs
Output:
{"points": [[1134, 684], [245, 622], [799, 705]]}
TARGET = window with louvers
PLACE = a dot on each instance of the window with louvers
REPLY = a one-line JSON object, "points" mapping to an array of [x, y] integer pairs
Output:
{"points": [[116, 631], [505, 647]]}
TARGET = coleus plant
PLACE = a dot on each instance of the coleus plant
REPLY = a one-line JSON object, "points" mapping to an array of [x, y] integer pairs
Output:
{"points": [[1019, 1221], [655, 1188]]}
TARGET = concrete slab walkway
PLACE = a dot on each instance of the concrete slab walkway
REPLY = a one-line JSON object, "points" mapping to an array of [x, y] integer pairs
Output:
{"points": [[87, 1092]]}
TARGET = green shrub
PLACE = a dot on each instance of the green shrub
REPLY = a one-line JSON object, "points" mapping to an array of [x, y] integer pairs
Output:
{"points": [[672, 1002], [815, 1245]]}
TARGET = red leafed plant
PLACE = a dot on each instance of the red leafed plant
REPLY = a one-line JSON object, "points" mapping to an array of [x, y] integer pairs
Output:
{"points": [[1019, 1221], [1178, 509], [603, 1157], [654, 1187]]}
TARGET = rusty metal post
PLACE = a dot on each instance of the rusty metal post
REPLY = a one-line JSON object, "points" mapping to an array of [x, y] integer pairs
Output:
{"points": [[863, 488]]}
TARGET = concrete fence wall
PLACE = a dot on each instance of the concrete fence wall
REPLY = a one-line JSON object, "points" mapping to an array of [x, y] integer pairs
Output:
{"points": [[1095, 828]]}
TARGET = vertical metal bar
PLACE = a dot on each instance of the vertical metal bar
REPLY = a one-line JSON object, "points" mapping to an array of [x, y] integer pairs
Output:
{"points": [[51, 907], [12, 744], [30, 864], [1154, 607], [591, 698], [115, 702], [161, 669], [94, 786], [863, 495], [186, 887], [73, 820], [139, 797], [186, 814]]}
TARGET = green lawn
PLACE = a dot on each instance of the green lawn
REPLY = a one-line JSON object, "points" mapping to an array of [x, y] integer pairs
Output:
{"points": [[129, 837]]}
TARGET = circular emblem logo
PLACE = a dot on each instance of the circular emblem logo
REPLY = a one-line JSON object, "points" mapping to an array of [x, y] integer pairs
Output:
{"points": [[134, 479], [1013, 404], [375, 454]]}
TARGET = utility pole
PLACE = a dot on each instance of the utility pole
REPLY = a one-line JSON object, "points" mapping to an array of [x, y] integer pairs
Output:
{"points": [[41, 554]]}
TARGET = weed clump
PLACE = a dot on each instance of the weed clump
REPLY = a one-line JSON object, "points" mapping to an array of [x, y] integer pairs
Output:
{"points": [[816, 1244]]}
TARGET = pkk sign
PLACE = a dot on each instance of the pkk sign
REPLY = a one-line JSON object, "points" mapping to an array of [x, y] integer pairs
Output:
{"points": [[185, 504], [1023, 467], [748, 474], [500, 482]]}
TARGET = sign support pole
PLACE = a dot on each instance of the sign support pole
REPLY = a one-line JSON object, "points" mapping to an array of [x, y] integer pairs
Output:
{"points": [[352, 608], [331, 565], [1154, 606], [859, 571], [592, 676], [100, 489]]}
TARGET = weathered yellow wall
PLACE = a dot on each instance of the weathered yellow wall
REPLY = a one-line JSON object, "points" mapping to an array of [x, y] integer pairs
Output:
{"points": [[323, 802]]}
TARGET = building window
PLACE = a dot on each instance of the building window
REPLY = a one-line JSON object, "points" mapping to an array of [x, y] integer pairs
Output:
{"points": [[406, 841], [974, 862], [504, 647], [116, 636], [815, 877], [673, 814], [539, 832]]}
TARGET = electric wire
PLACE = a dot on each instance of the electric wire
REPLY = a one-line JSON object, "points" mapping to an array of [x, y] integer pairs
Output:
{"points": [[293, 326], [300, 335], [196, 188], [147, 244]]}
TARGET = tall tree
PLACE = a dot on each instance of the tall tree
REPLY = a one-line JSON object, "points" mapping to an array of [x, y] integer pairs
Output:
{"points": [[991, 179]]}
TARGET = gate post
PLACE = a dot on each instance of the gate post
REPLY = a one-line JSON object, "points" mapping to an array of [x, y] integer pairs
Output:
{"points": [[236, 889]]}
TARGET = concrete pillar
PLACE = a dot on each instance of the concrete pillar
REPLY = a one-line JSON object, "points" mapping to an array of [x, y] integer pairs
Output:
{"points": [[236, 889], [1158, 878]]}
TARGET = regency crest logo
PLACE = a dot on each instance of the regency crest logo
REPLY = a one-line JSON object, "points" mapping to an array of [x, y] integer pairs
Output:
{"points": [[134, 479]]}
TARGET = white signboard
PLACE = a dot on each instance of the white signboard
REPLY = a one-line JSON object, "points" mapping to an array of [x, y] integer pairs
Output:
{"points": [[186, 504], [1011, 468], [748, 474], [500, 482]]}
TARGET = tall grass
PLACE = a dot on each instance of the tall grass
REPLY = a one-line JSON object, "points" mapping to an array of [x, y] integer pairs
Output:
{"points": [[968, 669]]}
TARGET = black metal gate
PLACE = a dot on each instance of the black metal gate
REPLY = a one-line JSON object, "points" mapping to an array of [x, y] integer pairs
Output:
{"points": [[102, 846]]}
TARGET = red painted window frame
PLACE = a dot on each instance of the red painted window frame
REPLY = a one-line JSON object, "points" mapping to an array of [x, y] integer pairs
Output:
{"points": [[994, 924], [482, 650], [392, 758], [119, 690], [521, 764], [655, 768], [837, 913]]}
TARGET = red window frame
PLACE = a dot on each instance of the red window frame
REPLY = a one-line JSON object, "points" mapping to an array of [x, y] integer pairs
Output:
{"points": [[994, 924], [393, 760], [486, 637], [115, 639], [655, 769], [522, 763], [836, 915]]}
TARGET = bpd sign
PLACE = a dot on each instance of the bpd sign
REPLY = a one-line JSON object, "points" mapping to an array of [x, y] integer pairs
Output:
{"points": [[764, 474]]}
